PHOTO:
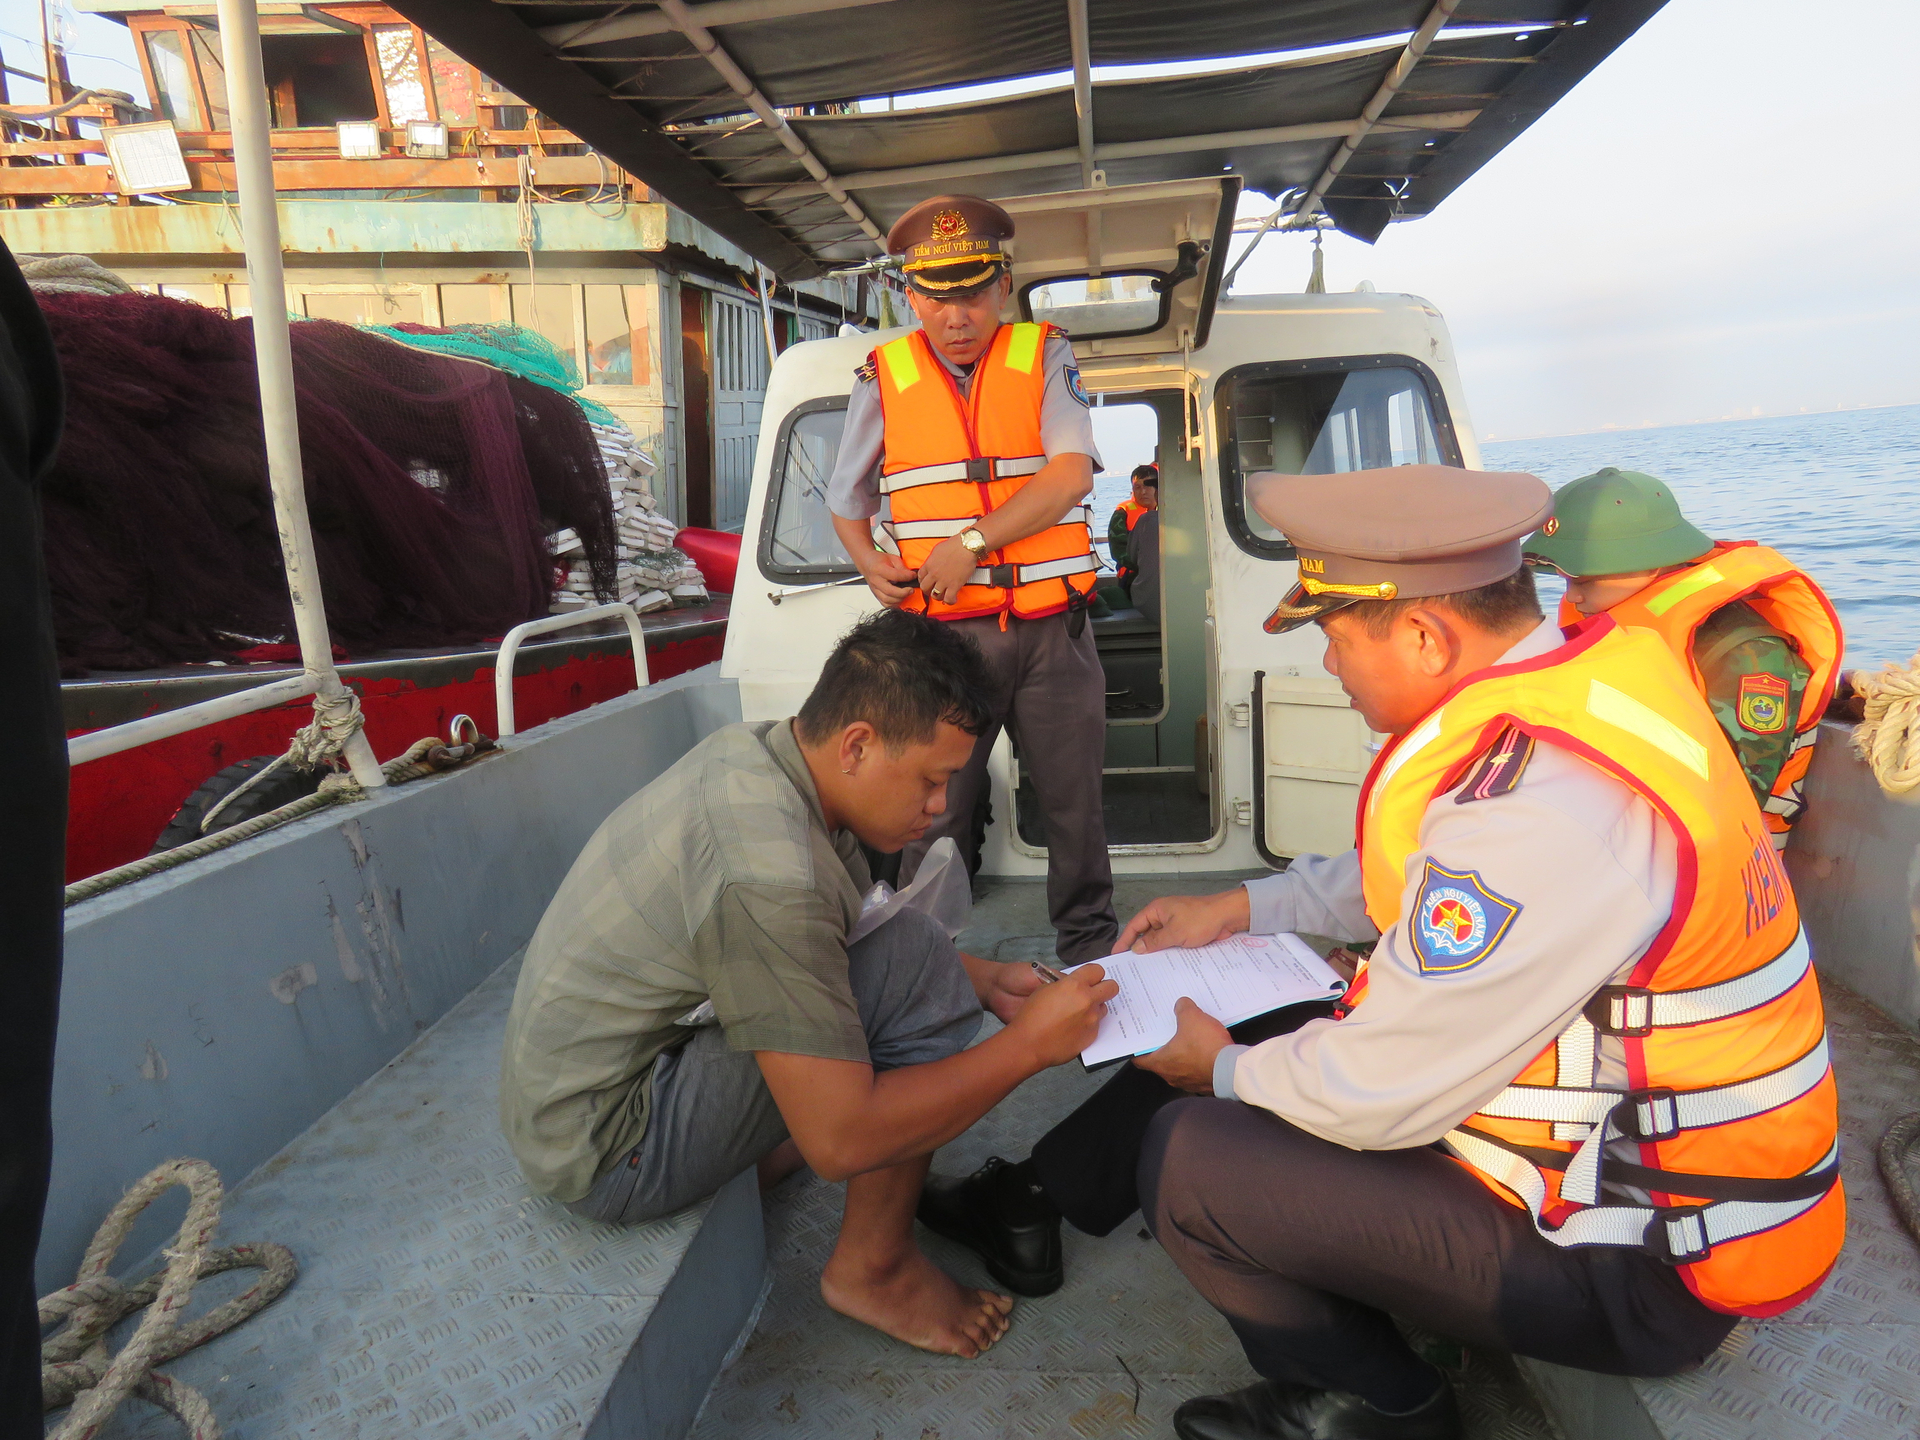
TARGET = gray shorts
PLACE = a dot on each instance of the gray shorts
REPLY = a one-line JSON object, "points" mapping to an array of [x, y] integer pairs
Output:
{"points": [[712, 1114]]}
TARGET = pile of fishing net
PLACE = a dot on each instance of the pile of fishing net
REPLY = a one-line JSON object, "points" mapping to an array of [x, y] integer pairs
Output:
{"points": [[433, 484], [652, 573]]}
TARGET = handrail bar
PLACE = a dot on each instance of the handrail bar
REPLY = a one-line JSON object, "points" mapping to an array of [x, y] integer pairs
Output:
{"points": [[510, 649], [96, 744]]}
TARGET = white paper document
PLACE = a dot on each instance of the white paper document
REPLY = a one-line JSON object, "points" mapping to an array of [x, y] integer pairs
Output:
{"points": [[1232, 980]]}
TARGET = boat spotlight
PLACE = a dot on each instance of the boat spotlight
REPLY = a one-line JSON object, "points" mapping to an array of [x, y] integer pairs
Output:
{"points": [[427, 139], [359, 139]]}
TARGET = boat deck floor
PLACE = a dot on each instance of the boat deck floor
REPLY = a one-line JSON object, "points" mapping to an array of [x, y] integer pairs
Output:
{"points": [[1110, 1354]]}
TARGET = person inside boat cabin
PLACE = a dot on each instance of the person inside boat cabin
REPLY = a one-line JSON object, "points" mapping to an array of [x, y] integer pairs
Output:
{"points": [[1576, 1104], [1144, 500], [689, 1006], [979, 437], [1760, 638]]}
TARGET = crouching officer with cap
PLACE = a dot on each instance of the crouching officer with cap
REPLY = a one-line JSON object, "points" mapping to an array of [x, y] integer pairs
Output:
{"points": [[1759, 638], [978, 437], [1579, 1103]]}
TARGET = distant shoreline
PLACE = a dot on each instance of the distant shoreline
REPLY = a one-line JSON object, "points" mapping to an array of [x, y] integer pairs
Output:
{"points": [[1690, 424]]}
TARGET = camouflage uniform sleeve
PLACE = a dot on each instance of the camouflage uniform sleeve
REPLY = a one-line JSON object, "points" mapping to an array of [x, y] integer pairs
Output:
{"points": [[1754, 682], [1117, 539]]}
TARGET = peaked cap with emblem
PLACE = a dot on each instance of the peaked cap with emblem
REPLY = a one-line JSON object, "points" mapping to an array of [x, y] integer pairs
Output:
{"points": [[1399, 534], [954, 245]]}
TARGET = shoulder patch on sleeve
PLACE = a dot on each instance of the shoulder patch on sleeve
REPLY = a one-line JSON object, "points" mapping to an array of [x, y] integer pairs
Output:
{"points": [[1762, 706], [1074, 387], [868, 370], [1500, 769], [1457, 921]]}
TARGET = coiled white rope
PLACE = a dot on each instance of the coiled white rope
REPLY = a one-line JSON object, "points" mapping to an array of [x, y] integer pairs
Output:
{"points": [[1888, 738], [76, 1367]]}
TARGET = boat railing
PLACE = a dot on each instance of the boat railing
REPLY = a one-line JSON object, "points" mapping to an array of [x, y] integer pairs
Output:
{"points": [[98, 744], [510, 649]]}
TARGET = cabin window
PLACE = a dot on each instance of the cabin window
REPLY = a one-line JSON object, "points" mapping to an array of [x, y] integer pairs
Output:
{"points": [[796, 531], [172, 79], [1324, 417], [1102, 306], [609, 336], [400, 73], [452, 84], [317, 80]]}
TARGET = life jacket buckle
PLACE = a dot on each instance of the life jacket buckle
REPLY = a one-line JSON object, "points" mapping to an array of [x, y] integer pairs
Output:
{"points": [[1650, 1114], [979, 470], [1002, 577], [1623, 1010], [1678, 1235]]}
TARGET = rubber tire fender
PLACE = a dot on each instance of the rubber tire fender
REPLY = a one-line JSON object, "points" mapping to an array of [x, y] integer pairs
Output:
{"points": [[282, 787]]}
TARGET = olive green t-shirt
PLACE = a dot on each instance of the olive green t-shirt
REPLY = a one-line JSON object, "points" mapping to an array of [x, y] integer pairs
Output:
{"points": [[1754, 681], [717, 881]]}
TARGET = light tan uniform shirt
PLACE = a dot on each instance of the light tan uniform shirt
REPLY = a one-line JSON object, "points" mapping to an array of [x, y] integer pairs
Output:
{"points": [[717, 881], [1592, 869]]}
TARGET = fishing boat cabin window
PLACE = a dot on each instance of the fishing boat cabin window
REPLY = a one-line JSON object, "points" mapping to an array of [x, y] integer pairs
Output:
{"points": [[1324, 417], [797, 542], [1101, 306]]}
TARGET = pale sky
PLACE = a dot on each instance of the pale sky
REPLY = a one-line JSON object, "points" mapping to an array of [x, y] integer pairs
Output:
{"points": [[1719, 221]]}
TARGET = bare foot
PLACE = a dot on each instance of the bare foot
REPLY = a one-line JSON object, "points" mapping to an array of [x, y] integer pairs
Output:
{"points": [[919, 1303], [778, 1163]]}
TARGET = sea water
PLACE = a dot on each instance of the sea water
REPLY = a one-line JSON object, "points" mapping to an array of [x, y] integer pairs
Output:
{"points": [[1838, 494]]}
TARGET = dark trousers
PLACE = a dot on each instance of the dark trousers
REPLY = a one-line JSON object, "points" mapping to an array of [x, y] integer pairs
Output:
{"points": [[1089, 1162], [1306, 1247], [1051, 695]]}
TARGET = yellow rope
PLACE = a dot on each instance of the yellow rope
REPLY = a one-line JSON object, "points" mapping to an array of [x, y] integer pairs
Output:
{"points": [[1888, 738]]}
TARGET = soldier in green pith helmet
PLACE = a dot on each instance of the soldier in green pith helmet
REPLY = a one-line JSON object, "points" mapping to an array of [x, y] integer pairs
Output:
{"points": [[1759, 637]]}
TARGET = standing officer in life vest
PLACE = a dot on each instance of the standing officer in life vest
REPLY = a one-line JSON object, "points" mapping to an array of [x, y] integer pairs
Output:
{"points": [[977, 437], [1579, 1105], [1759, 638]]}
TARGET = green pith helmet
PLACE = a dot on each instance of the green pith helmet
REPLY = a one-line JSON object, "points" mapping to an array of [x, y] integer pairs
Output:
{"points": [[1615, 522]]}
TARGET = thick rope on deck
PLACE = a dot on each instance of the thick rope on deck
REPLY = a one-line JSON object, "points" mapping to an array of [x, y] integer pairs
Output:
{"points": [[1895, 1146], [76, 1367], [426, 756], [1888, 739]]}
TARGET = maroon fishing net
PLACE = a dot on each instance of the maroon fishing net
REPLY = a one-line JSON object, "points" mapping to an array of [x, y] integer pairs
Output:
{"points": [[431, 483]]}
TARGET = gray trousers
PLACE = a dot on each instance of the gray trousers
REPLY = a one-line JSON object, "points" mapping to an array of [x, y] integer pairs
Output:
{"points": [[1051, 695], [712, 1114]]}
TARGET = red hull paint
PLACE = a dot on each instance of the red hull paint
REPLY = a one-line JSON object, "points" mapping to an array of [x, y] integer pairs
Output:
{"points": [[120, 803]]}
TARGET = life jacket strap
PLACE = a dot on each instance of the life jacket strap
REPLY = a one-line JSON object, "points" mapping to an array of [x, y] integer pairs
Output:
{"points": [[976, 471], [1676, 1234], [946, 528], [1635, 1011], [1008, 577]]}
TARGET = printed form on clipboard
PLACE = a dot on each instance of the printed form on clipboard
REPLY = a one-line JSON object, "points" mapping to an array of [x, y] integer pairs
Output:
{"points": [[1232, 980]]}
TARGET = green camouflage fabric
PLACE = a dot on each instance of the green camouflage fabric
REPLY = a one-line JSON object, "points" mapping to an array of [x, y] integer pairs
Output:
{"points": [[719, 881], [1732, 642], [1117, 537]]}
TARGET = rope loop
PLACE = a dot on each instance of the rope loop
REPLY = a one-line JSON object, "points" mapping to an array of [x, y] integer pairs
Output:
{"points": [[336, 720], [76, 1367], [1888, 738]]}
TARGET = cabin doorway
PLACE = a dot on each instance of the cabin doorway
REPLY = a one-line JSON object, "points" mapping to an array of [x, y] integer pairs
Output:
{"points": [[1155, 651]]}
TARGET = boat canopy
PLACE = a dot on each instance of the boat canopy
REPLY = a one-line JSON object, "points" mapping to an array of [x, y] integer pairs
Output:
{"points": [[800, 129]]}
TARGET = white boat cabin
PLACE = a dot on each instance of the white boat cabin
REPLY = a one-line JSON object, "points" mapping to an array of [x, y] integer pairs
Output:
{"points": [[1226, 747]]}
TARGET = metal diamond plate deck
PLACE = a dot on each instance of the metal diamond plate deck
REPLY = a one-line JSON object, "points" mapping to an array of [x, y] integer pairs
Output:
{"points": [[1063, 1369], [438, 1297]]}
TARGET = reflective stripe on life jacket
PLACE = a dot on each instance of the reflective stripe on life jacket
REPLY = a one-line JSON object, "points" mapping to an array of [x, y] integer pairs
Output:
{"points": [[1731, 1110], [949, 460], [1675, 606]]}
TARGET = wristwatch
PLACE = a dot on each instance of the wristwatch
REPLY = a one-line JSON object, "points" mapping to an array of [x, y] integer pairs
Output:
{"points": [[974, 541]]}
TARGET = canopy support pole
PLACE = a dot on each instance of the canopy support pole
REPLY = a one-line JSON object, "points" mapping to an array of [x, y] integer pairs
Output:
{"points": [[1369, 117], [682, 18], [273, 357], [1083, 118]]}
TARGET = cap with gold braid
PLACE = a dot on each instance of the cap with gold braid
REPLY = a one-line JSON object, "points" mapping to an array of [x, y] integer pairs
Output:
{"points": [[955, 245], [1399, 534]]}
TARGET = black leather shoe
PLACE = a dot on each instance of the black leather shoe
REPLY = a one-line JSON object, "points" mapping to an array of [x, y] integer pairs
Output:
{"points": [[1000, 1214], [1272, 1411]]}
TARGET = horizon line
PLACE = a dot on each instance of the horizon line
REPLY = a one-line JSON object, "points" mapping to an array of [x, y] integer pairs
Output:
{"points": [[1682, 424]]}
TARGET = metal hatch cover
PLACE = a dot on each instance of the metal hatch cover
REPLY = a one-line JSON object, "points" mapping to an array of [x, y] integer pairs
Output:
{"points": [[1175, 229]]}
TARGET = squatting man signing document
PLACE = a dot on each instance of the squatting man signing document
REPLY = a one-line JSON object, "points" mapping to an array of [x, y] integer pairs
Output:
{"points": [[1575, 1105]]}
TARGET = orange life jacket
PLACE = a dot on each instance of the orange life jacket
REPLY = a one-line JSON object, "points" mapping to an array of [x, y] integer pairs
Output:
{"points": [[1133, 510], [1720, 1021], [950, 459], [1675, 606]]}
